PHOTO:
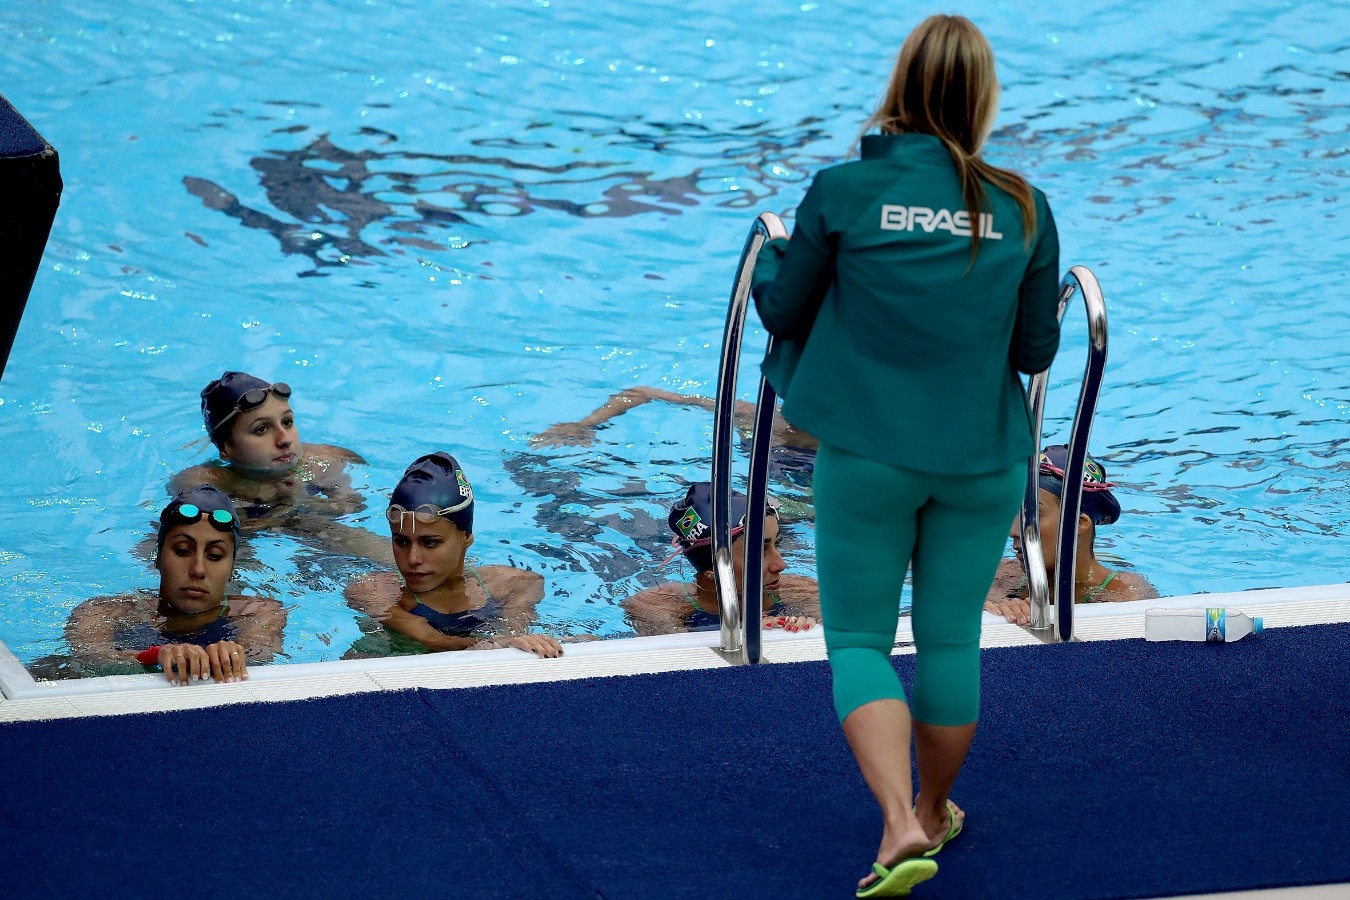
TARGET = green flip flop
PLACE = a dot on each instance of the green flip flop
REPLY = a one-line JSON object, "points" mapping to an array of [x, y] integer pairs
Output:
{"points": [[899, 878], [954, 827]]}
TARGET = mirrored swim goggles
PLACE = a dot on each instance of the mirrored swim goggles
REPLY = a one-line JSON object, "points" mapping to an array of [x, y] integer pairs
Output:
{"points": [[426, 513], [250, 400], [220, 519]]}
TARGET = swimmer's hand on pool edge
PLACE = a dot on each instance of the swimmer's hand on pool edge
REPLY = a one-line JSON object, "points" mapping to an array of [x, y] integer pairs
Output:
{"points": [[540, 644], [223, 661], [789, 623], [1015, 610]]}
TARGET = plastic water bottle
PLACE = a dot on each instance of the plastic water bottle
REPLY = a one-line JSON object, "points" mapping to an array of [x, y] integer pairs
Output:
{"points": [[1213, 624]]}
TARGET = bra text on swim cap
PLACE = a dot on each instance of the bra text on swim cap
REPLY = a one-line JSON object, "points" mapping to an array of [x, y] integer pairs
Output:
{"points": [[905, 218]]}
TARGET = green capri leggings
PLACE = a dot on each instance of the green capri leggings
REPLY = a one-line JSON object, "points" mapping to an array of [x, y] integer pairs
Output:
{"points": [[873, 520]]}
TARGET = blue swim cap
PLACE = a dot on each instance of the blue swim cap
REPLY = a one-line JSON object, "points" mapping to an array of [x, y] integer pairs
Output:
{"points": [[434, 485], [1098, 503], [225, 396], [691, 520], [193, 504]]}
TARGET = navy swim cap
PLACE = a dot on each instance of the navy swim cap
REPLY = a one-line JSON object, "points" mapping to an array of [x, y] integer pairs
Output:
{"points": [[691, 520], [193, 504], [220, 398], [1098, 503], [434, 485]]}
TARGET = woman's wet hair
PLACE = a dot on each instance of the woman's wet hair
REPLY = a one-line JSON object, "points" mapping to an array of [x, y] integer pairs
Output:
{"points": [[194, 504], [944, 84]]}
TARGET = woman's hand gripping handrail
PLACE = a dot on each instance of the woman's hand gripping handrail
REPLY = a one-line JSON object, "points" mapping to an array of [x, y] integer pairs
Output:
{"points": [[741, 612], [1078, 280]]}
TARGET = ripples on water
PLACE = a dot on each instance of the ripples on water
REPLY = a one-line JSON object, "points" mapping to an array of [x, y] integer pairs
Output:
{"points": [[455, 232]]}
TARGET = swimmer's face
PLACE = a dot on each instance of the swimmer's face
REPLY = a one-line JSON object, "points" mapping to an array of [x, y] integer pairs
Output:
{"points": [[428, 554], [263, 440], [1048, 508], [194, 566], [773, 559]]}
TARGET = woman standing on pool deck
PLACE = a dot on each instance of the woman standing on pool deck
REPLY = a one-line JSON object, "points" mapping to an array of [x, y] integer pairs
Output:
{"points": [[918, 282]]}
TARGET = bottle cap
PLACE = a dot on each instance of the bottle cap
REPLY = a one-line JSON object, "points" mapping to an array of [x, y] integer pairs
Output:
{"points": [[1257, 627]]}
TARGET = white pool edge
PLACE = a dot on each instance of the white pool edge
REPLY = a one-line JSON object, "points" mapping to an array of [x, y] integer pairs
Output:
{"points": [[26, 699]]}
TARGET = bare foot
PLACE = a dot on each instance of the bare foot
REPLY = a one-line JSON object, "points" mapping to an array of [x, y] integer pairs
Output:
{"points": [[900, 840]]}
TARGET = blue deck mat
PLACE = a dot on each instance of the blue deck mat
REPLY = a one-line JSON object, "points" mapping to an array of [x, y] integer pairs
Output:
{"points": [[1110, 769]]}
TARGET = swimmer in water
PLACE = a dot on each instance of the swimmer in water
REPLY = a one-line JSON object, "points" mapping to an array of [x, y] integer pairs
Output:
{"points": [[582, 432], [791, 602], [437, 598], [281, 483], [189, 626], [1094, 582]]}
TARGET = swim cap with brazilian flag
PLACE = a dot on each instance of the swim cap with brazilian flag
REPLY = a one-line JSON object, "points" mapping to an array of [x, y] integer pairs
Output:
{"points": [[1098, 503], [434, 485]]}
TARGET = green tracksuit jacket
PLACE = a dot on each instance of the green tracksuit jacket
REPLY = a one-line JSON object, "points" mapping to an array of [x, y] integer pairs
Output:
{"points": [[890, 348]]}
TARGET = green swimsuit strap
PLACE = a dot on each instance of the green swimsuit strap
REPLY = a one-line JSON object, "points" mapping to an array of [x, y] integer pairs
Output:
{"points": [[1093, 593], [479, 578]]}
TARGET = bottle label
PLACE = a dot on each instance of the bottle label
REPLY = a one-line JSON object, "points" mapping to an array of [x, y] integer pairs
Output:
{"points": [[1216, 624]]}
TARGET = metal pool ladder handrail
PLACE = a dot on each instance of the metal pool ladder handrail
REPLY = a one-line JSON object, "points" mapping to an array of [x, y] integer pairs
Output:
{"points": [[1078, 280], [742, 612]]}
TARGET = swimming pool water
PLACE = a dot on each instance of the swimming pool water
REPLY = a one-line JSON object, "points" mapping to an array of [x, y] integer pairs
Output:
{"points": [[449, 227]]}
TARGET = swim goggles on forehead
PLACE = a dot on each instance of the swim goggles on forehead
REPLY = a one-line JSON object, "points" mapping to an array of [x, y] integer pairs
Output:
{"points": [[252, 399], [426, 513], [220, 519]]}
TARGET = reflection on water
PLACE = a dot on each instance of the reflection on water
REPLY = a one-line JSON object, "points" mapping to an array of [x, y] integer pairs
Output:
{"points": [[338, 206]]}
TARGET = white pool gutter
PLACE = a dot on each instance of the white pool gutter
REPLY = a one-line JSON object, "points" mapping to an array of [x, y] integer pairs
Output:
{"points": [[25, 698]]}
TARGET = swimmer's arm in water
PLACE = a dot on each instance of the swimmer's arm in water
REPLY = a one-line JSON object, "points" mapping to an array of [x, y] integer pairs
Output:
{"points": [[1009, 581], [336, 536], [802, 598], [260, 622], [335, 453], [380, 595], [331, 479], [216, 476], [396, 618], [519, 592], [374, 593], [582, 433], [91, 627], [658, 610], [1127, 586]]}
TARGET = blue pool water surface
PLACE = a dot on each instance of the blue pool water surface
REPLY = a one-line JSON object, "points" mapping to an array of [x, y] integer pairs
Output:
{"points": [[451, 226]]}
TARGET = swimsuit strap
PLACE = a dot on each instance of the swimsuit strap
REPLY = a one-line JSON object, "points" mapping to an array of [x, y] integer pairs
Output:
{"points": [[773, 595], [479, 578], [1093, 593]]}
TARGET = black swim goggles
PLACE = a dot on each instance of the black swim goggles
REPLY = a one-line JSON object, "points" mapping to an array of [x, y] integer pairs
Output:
{"points": [[426, 513], [220, 519], [250, 400]]}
